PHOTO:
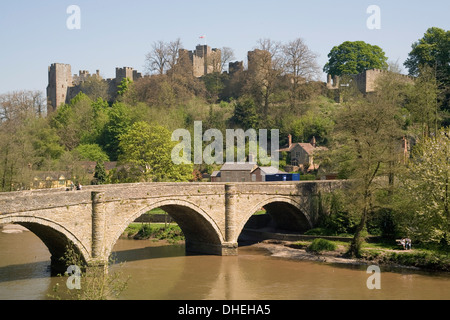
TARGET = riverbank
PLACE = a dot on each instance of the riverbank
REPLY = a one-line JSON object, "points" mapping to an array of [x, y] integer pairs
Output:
{"points": [[412, 259]]}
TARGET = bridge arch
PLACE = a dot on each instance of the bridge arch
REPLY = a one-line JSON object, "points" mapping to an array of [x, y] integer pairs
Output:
{"points": [[56, 238], [287, 213], [197, 226]]}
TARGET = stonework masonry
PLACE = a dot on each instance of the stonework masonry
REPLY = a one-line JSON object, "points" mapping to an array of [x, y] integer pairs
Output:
{"points": [[365, 81], [211, 215], [203, 60], [63, 86]]}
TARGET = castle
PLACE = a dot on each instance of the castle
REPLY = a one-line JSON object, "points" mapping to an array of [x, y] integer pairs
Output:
{"points": [[365, 82], [203, 60], [63, 86]]}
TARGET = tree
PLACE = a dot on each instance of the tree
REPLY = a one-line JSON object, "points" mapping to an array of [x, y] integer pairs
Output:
{"points": [[433, 50], [100, 173], [365, 132], [227, 54], [95, 87], [423, 103], [91, 152], [300, 64], [423, 205], [352, 58], [163, 56], [264, 70], [119, 119], [149, 149], [245, 114]]}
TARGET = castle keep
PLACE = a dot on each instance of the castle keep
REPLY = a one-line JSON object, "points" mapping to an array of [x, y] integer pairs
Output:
{"points": [[63, 86], [203, 60]]}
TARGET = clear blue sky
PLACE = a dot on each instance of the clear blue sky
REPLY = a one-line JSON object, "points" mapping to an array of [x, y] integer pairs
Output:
{"points": [[33, 34]]}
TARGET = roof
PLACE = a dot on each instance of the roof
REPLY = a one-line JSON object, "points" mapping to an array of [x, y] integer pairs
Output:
{"points": [[238, 166], [215, 174], [270, 170], [308, 147]]}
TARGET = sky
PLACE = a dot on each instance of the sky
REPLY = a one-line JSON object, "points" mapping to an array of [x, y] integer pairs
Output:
{"points": [[34, 34]]}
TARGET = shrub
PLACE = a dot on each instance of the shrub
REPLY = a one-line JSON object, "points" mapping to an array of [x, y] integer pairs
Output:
{"points": [[319, 245]]}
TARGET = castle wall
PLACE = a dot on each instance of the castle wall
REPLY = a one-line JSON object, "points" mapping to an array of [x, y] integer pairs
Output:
{"points": [[59, 82], [63, 87]]}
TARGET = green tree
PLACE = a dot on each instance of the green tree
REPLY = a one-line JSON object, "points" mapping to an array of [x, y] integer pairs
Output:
{"points": [[433, 50], [100, 175], [423, 103], [119, 120], [149, 148], [423, 203], [351, 58], [245, 114], [365, 134], [92, 152]]}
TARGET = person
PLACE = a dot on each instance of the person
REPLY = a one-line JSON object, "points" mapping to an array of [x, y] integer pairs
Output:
{"points": [[72, 186], [78, 186], [408, 243], [403, 243]]}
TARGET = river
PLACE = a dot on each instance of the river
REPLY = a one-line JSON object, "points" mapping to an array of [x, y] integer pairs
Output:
{"points": [[161, 271]]}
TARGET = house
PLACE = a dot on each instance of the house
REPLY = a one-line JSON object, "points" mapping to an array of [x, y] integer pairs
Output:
{"points": [[236, 172], [302, 154], [243, 172], [260, 173], [51, 179]]}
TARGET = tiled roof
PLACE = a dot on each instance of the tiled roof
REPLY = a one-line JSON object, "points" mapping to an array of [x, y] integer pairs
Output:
{"points": [[238, 166]]}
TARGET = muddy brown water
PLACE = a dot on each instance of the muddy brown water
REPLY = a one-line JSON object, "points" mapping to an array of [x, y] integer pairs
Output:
{"points": [[160, 271]]}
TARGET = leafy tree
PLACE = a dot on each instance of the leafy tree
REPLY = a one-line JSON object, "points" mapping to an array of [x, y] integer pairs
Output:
{"points": [[95, 87], [245, 114], [351, 58], [423, 103], [365, 134], [100, 175], [119, 119], [423, 203], [124, 86], [149, 148], [92, 152], [433, 50]]}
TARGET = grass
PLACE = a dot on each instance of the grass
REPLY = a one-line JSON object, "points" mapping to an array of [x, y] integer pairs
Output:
{"points": [[155, 231], [386, 253], [320, 245]]}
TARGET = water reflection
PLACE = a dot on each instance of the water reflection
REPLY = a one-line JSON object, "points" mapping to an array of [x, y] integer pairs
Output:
{"points": [[162, 271]]}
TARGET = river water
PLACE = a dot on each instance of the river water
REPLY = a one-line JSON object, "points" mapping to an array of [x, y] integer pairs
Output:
{"points": [[163, 272]]}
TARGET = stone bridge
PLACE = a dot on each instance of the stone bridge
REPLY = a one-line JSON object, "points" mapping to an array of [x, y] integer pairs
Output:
{"points": [[211, 215]]}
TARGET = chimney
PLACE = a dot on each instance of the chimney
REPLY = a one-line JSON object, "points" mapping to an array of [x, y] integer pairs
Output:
{"points": [[313, 142], [290, 140]]}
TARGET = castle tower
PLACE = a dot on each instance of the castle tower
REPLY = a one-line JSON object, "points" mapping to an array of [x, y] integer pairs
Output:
{"points": [[59, 84], [203, 60]]}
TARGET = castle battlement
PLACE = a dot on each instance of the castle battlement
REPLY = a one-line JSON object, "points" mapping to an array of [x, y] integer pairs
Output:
{"points": [[365, 81], [63, 86], [203, 60]]}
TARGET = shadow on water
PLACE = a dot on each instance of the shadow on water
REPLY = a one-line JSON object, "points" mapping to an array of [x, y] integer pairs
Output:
{"points": [[146, 253], [26, 271]]}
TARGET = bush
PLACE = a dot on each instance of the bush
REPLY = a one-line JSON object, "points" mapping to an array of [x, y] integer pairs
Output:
{"points": [[319, 245]]}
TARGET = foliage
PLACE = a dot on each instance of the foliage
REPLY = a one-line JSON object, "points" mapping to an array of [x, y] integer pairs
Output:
{"points": [[97, 283], [354, 57], [149, 148], [423, 202], [100, 176], [432, 50], [319, 245], [91, 152]]}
